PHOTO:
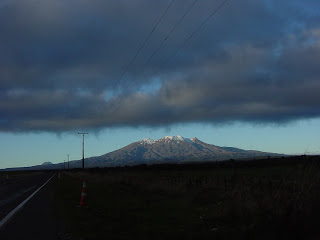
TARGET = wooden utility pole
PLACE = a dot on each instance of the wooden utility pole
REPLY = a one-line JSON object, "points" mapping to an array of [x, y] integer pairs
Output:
{"points": [[83, 149], [68, 159]]}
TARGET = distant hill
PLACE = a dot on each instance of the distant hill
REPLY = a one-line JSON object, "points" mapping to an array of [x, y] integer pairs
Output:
{"points": [[170, 149], [46, 163]]}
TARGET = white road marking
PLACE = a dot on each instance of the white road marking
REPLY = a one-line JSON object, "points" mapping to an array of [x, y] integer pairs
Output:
{"points": [[14, 211]]}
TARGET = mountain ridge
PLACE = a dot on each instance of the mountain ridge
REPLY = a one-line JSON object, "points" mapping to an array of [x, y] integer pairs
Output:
{"points": [[171, 149]]}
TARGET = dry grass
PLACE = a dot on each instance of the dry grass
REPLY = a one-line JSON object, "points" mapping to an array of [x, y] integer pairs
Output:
{"points": [[248, 203]]}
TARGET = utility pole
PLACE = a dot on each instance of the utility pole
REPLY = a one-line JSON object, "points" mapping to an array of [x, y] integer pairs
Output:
{"points": [[83, 149], [68, 159], [64, 164]]}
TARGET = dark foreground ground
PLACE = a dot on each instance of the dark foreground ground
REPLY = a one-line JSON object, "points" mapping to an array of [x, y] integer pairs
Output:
{"points": [[265, 199]]}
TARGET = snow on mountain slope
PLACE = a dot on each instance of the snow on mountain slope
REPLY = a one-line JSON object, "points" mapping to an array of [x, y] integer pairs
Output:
{"points": [[166, 138], [147, 141]]}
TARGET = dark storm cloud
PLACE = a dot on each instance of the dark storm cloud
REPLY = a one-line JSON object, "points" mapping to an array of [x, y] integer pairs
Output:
{"points": [[61, 63]]}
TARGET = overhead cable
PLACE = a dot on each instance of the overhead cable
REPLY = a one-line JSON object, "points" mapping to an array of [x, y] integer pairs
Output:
{"points": [[144, 43], [168, 35], [181, 45]]}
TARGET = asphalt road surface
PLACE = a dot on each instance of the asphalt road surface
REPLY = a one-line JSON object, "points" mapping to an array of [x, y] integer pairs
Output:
{"points": [[17, 188], [36, 219]]}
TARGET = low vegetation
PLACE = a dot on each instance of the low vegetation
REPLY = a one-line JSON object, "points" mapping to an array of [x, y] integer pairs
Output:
{"points": [[10, 176], [231, 200]]}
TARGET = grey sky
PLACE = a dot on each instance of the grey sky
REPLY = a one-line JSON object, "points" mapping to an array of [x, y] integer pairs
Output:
{"points": [[61, 63]]}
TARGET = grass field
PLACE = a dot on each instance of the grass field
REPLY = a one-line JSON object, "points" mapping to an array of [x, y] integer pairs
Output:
{"points": [[9, 176], [233, 202]]}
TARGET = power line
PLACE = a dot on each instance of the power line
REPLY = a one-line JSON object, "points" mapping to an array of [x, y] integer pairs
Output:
{"points": [[191, 35], [187, 39], [181, 45], [143, 44], [168, 35]]}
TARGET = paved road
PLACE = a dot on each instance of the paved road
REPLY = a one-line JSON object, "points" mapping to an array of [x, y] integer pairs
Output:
{"points": [[17, 188], [37, 219]]}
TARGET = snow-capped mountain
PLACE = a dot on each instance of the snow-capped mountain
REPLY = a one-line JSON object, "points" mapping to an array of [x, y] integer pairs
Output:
{"points": [[171, 149], [165, 139]]}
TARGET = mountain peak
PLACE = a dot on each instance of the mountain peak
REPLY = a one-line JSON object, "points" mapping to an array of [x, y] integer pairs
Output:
{"points": [[147, 141], [175, 138], [178, 138], [168, 139]]}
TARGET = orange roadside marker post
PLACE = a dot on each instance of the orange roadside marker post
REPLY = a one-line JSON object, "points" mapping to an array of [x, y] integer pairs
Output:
{"points": [[83, 199]]}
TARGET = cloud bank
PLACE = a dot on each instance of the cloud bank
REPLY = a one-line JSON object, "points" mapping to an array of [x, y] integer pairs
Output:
{"points": [[61, 63]]}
